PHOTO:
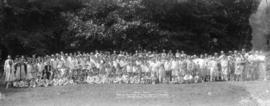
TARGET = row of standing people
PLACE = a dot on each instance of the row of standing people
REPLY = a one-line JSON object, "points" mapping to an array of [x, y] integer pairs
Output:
{"points": [[141, 67]]}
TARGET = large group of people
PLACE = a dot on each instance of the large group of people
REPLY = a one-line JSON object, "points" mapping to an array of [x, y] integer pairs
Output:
{"points": [[142, 67]]}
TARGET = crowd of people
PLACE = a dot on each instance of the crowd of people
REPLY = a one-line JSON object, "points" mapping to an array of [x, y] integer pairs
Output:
{"points": [[142, 67]]}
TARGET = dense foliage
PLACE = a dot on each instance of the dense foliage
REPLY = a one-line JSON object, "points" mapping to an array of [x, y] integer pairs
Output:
{"points": [[49, 26]]}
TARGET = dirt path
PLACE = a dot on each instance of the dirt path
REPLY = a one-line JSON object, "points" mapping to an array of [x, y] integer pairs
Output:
{"points": [[207, 94]]}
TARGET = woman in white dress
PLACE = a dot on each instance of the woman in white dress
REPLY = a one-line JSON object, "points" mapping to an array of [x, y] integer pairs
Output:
{"points": [[213, 65], [29, 71], [23, 68], [40, 66], [17, 69], [9, 72], [238, 68]]}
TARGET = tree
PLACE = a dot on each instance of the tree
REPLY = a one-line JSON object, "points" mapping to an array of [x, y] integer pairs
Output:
{"points": [[35, 27], [42, 27]]}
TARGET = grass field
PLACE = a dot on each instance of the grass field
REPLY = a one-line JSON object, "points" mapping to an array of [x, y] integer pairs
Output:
{"points": [[204, 94]]}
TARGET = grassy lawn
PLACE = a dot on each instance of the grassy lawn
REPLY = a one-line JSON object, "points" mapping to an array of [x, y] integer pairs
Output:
{"points": [[204, 94]]}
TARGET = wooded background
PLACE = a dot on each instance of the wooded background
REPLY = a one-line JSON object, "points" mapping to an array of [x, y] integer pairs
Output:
{"points": [[196, 26]]}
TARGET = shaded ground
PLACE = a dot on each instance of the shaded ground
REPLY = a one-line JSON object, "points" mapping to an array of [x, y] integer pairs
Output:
{"points": [[207, 94]]}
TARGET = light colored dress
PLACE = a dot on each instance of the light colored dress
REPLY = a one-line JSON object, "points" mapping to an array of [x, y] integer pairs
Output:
{"points": [[224, 66], [161, 73], [29, 72], [13, 77], [40, 69], [238, 66], [213, 68], [18, 71], [183, 67], [23, 71], [175, 68], [9, 76], [34, 70]]}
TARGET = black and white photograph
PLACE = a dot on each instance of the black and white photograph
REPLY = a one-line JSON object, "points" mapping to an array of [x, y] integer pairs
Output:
{"points": [[134, 52]]}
